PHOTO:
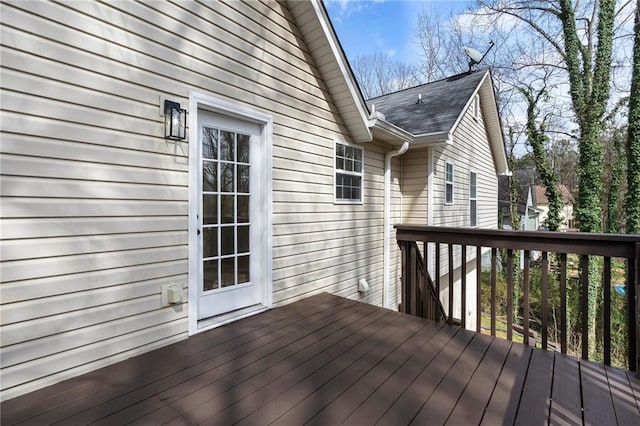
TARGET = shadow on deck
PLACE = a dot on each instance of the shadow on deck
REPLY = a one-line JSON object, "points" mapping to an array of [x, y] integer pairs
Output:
{"points": [[330, 360]]}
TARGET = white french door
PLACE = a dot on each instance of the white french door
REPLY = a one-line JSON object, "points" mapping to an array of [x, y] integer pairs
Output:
{"points": [[228, 209]]}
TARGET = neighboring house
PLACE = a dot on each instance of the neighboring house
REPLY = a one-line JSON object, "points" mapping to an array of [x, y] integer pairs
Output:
{"points": [[566, 214], [117, 240], [528, 213]]}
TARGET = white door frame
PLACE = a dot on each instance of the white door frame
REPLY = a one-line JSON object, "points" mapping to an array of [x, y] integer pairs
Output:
{"points": [[201, 101]]}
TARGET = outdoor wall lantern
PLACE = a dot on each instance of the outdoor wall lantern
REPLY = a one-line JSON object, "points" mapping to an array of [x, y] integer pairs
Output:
{"points": [[175, 121]]}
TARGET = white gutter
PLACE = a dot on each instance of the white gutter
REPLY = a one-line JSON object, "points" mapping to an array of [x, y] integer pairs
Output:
{"points": [[386, 260]]}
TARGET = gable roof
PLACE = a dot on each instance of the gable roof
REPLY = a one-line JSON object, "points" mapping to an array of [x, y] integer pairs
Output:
{"points": [[325, 49], [434, 119], [442, 103], [541, 196]]}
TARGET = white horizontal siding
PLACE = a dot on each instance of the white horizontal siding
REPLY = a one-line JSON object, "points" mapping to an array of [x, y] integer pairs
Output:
{"points": [[414, 186], [95, 201], [470, 152]]}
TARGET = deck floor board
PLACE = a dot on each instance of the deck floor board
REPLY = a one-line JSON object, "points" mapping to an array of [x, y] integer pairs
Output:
{"points": [[566, 401], [328, 360]]}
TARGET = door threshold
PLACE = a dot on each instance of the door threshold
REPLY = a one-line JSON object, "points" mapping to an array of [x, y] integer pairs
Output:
{"points": [[226, 318]]}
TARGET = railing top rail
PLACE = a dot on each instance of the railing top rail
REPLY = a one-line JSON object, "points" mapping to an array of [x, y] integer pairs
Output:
{"points": [[613, 245]]}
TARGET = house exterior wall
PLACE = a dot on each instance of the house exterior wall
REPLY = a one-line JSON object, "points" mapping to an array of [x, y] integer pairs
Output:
{"points": [[566, 215], [95, 200], [470, 152], [415, 189]]}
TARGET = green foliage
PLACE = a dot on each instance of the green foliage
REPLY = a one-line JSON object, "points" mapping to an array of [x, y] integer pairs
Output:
{"points": [[613, 180], [617, 313], [537, 138], [633, 138]]}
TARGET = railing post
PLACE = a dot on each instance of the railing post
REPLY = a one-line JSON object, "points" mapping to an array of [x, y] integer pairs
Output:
{"points": [[633, 310], [493, 289]]}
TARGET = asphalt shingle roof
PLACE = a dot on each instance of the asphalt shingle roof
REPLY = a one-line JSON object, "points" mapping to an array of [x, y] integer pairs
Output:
{"points": [[442, 103]]}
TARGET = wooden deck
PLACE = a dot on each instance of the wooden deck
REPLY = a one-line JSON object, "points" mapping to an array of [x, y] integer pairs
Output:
{"points": [[329, 360]]}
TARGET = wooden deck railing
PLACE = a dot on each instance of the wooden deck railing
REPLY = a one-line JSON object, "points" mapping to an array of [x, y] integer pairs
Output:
{"points": [[557, 249]]}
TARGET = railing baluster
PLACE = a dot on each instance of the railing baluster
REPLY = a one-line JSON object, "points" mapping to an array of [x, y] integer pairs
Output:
{"points": [[413, 280], [463, 287], [525, 295], [633, 308], [563, 303], [437, 254], [545, 298], [421, 295], [426, 300], [509, 294], [493, 290], [479, 289], [584, 304], [607, 311], [450, 253]]}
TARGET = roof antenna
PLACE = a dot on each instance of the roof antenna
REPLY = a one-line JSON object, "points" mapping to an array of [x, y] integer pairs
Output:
{"points": [[419, 98], [476, 57]]}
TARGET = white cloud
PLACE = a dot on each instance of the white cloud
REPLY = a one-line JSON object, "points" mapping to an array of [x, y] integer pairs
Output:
{"points": [[349, 7]]}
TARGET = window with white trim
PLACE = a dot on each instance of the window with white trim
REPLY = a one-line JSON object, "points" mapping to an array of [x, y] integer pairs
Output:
{"points": [[473, 200], [348, 175], [448, 183]]}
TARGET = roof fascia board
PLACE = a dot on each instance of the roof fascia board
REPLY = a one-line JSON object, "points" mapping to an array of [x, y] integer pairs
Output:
{"points": [[495, 138], [469, 101], [341, 60]]}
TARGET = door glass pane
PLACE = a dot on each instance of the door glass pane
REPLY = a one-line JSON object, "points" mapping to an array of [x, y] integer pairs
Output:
{"points": [[243, 148], [226, 247], [226, 175], [227, 208], [243, 209], [210, 279], [226, 145], [227, 240], [243, 269], [228, 272], [243, 239], [209, 176], [210, 242], [243, 179], [209, 143], [210, 209]]}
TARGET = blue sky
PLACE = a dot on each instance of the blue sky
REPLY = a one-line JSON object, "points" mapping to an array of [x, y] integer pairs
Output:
{"points": [[387, 26]]}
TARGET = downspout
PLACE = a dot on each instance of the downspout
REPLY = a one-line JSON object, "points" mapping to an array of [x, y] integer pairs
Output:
{"points": [[430, 177], [386, 259]]}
